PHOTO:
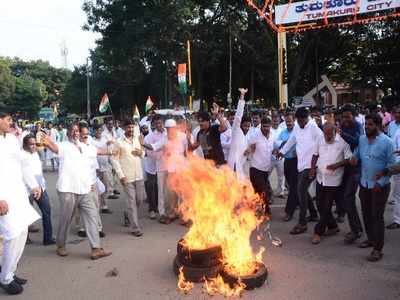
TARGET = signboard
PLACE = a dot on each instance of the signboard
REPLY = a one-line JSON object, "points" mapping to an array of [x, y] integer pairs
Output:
{"points": [[306, 11]]}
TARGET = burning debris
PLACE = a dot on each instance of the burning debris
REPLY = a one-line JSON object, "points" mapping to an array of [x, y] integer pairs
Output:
{"points": [[223, 212]]}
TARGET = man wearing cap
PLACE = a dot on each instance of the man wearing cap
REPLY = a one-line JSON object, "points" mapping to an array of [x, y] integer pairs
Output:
{"points": [[16, 214], [173, 147]]}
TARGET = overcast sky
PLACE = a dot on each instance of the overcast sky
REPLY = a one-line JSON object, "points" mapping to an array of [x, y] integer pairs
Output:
{"points": [[35, 29]]}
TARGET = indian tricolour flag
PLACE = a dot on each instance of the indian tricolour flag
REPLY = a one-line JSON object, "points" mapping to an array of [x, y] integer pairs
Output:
{"points": [[104, 103], [182, 78], [136, 114], [149, 104]]}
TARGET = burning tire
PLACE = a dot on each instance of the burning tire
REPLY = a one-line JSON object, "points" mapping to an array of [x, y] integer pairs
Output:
{"points": [[196, 274], [251, 281], [203, 258]]}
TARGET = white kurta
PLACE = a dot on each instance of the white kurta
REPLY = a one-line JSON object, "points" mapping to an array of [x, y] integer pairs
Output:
{"points": [[236, 158], [14, 174]]}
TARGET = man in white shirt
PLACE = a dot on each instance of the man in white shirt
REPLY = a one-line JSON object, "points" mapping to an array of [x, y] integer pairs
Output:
{"points": [[277, 164], [32, 161], [237, 160], [128, 166], [93, 165], [74, 185], [150, 169], [111, 138], [261, 146], [305, 135], [105, 168], [157, 136], [395, 197], [16, 214], [118, 130], [330, 150], [54, 137], [173, 147]]}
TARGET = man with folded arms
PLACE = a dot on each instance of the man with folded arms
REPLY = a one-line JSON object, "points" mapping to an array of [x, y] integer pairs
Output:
{"points": [[128, 166]]}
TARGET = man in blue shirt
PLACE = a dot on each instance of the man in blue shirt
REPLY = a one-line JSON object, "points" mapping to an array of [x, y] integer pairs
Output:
{"points": [[350, 131], [395, 124], [375, 153], [290, 168]]}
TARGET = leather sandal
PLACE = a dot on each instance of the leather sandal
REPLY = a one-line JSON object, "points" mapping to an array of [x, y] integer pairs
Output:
{"points": [[98, 253]]}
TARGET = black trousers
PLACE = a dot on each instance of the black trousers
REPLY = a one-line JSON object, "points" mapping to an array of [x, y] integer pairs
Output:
{"points": [[152, 191], [347, 194], [373, 209], [290, 171], [325, 197], [260, 181], [305, 201]]}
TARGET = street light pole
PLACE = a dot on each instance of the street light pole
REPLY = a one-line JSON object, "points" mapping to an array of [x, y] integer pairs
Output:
{"points": [[230, 70], [88, 90]]}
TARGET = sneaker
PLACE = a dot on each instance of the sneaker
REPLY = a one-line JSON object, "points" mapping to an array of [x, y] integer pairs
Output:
{"points": [[61, 251], [152, 215], [13, 288]]}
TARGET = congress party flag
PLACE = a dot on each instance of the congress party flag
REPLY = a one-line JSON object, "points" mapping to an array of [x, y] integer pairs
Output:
{"points": [[104, 103], [182, 78], [149, 104]]}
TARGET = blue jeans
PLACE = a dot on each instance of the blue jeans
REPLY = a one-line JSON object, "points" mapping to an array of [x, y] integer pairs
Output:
{"points": [[44, 206]]}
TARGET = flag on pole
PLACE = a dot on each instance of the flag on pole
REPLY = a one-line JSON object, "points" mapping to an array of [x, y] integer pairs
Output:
{"points": [[149, 104], [104, 103], [182, 78], [136, 114]]}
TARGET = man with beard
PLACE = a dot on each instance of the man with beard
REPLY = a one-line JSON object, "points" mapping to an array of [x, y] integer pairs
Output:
{"points": [[330, 150], [375, 153], [74, 185], [290, 168], [350, 130], [304, 136], [261, 146], [239, 144], [128, 166], [209, 136], [16, 214]]}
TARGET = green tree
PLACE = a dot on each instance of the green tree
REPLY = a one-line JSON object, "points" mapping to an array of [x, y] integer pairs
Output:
{"points": [[7, 82], [28, 96]]}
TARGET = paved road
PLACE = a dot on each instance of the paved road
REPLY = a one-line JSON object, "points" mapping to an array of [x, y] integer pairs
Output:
{"points": [[298, 270]]}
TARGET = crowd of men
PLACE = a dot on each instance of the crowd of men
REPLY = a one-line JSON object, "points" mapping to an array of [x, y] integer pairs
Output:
{"points": [[321, 161]]}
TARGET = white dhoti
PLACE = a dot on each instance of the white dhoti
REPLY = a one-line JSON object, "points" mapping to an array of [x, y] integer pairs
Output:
{"points": [[12, 252]]}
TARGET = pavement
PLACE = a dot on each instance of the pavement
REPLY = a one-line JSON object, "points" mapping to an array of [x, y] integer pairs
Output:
{"points": [[298, 270]]}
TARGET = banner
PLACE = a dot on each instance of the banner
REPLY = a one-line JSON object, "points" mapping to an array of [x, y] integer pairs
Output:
{"points": [[182, 78], [306, 11]]}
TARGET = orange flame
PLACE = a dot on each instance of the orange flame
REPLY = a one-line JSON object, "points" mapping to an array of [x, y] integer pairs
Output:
{"points": [[184, 285], [218, 286], [222, 209]]}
